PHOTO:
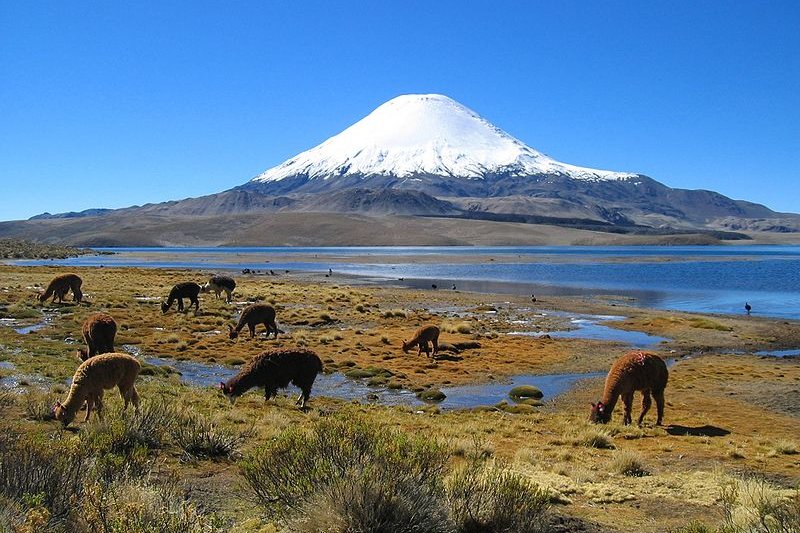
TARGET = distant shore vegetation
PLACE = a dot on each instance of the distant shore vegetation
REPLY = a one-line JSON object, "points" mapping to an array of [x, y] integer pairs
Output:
{"points": [[20, 249]]}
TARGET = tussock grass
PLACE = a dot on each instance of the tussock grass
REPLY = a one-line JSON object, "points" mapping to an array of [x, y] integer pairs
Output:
{"points": [[628, 463], [593, 437], [39, 405], [201, 437]]}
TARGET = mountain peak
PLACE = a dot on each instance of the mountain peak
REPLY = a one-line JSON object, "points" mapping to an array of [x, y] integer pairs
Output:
{"points": [[417, 134]]}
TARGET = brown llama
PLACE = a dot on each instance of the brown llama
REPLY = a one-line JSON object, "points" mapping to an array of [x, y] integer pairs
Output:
{"points": [[634, 371], [255, 314], [61, 285], [188, 289], [273, 370], [422, 337], [98, 331], [92, 377], [219, 284]]}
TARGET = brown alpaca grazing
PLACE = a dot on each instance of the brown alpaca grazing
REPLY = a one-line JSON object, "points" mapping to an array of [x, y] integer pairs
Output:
{"points": [[92, 377], [219, 284], [634, 371], [422, 337], [273, 370], [188, 289], [252, 315], [98, 331], [61, 285]]}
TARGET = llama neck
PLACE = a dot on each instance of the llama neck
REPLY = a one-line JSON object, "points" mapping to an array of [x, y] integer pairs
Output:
{"points": [[610, 397], [242, 382], [74, 402]]}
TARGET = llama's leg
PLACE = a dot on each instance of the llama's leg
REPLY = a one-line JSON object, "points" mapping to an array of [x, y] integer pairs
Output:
{"points": [[645, 405], [252, 328], [435, 347], [180, 304], [89, 402], [228, 296], [627, 402], [274, 327], [98, 404], [659, 397], [196, 304], [306, 392]]}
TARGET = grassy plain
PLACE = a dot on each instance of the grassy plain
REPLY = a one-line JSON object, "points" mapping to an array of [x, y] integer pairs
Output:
{"points": [[730, 418]]}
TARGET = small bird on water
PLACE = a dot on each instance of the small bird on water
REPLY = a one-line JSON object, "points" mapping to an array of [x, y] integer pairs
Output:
{"points": [[747, 307]]}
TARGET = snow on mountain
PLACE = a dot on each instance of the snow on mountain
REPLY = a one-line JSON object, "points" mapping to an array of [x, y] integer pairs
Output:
{"points": [[432, 134]]}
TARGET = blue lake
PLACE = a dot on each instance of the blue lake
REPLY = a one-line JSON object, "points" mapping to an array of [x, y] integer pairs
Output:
{"points": [[717, 279]]}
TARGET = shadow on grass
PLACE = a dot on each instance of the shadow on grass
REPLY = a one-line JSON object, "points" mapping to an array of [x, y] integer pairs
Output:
{"points": [[700, 431], [447, 357]]}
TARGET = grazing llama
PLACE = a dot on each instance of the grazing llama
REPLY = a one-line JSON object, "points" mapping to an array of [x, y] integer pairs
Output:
{"points": [[92, 377], [422, 337], [180, 291], [273, 370], [98, 331], [219, 284], [633, 371], [252, 315], [61, 285]]}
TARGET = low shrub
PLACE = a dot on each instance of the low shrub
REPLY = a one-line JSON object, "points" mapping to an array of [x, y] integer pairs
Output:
{"points": [[493, 499], [40, 475], [200, 437], [629, 463], [39, 406], [367, 477], [122, 433], [138, 506]]}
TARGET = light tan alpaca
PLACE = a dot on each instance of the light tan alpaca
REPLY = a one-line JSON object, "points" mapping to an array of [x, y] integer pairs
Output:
{"points": [[253, 315], [98, 331], [61, 285], [92, 377], [422, 337]]}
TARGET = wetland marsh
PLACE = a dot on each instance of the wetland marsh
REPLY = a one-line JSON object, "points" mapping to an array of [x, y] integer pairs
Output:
{"points": [[731, 413]]}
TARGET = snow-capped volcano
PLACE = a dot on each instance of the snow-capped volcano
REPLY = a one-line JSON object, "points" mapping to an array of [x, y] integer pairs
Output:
{"points": [[425, 134]]}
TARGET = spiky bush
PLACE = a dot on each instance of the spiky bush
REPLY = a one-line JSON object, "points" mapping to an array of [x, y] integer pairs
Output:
{"points": [[48, 475], [138, 506], [493, 499], [364, 477], [200, 437]]}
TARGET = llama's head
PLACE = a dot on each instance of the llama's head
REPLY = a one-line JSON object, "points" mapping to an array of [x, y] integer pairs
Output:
{"points": [[164, 307], [227, 390], [600, 413], [406, 346], [60, 414], [205, 287], [232, 332], [82, 354], [41, 296]]}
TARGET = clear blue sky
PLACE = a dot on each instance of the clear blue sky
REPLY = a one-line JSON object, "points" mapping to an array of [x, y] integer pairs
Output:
{"points": [[110, 104]]}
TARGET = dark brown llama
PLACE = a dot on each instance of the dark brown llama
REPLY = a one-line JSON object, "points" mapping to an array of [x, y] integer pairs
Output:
{"points": [[61, 285], [273, 370], [98, 331], [255, 314], [187, 289], [634, 371], [422, 337]]}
